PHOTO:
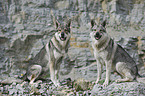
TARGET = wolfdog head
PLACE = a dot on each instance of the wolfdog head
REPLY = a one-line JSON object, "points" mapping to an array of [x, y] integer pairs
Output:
{"points": [[98, 33], [63, 30]]}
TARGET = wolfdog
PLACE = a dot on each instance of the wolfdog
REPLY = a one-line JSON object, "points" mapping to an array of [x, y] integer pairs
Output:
{"points": [[107, 52], [54, 51]]}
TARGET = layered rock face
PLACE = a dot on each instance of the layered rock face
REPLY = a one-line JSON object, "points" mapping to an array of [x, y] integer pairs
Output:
{"points": [[27, 25]]}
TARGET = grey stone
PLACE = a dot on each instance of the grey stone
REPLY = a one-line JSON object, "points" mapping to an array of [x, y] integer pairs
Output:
{"points": [[27, 25], [130, 88]]}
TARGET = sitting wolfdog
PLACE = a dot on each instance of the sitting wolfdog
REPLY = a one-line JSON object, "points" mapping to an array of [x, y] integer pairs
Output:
{"points": [[106, 51], [53, 52]]}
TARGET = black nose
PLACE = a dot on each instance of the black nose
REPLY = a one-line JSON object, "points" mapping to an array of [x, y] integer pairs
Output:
{"points": [[62, 34], [97, 34]]}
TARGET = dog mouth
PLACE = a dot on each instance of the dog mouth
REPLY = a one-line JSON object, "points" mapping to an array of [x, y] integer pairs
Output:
{"points": [[97, 36], [62, 38]]}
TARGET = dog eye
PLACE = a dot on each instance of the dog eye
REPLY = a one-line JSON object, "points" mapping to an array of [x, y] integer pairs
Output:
{"points": [[59, 29], [102, 30], [67, 30], [94, 30]]}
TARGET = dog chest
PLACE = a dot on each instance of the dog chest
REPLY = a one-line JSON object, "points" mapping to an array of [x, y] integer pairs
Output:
{"points": [[103, 54], [57, 54]]}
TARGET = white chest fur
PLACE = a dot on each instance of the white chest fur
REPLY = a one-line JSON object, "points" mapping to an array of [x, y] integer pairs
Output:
{"points": [[57, 54], [103, 54]]}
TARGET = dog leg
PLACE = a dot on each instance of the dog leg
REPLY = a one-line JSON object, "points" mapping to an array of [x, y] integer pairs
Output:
{"points": [[122, 69], [56, 78], [123, 80], [57, 67], [34, 72], [53, 74], [57, 75], [108, 71], [99, 69]]}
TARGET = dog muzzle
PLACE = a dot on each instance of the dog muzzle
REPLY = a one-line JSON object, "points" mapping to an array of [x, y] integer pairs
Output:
{"points": [[62, 36], [97, 35]]}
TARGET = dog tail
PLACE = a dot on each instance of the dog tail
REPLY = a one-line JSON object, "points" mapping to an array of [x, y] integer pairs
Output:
{"points": [[140, 79]]}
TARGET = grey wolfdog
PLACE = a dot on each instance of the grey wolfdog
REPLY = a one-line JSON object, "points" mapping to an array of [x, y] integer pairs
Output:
{"points": [[107, 52], [53, 52]]}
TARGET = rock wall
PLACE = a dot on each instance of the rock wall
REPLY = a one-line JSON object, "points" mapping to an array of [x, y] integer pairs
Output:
{"points": [[26, 26]]}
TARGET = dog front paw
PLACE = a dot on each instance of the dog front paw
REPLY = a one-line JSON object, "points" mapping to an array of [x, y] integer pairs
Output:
{"points": [[97, 81], [118, 81], [105, 83], [56, 83]]}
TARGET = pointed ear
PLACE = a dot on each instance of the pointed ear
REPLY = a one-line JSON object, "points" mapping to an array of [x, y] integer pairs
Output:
{"points": [[92, 23], [68, 23], [104, 23], [57, 24]]}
